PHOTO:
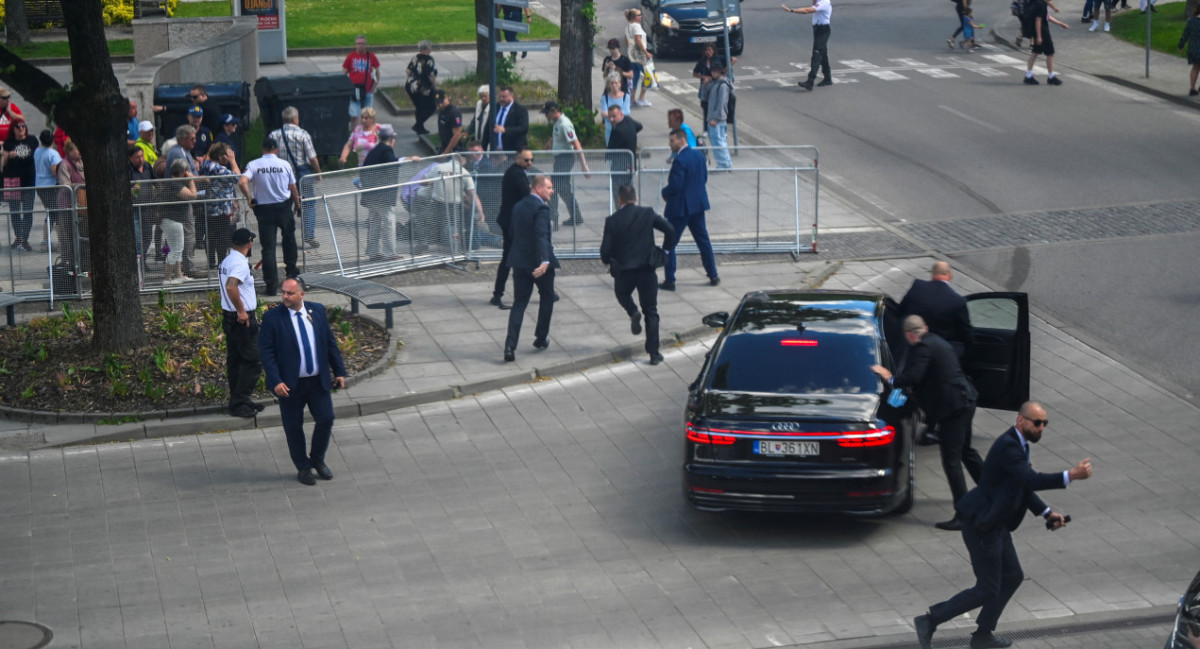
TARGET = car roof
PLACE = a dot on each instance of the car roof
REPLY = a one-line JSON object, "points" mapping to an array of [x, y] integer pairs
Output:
{"points": [[787, 308]]}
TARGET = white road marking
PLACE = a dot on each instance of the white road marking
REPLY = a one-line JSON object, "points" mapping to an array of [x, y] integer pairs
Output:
{"points": [[886, 75], [972, 119], [1001, 58], [989, 72], [936, 73], [858, 64], [664, 77], [907, 62]]}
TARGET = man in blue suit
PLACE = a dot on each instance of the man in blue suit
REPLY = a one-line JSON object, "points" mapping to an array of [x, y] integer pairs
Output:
{"points": [[942, 308], [533, 262], [991, 512], [687, 200], [298, 352]]}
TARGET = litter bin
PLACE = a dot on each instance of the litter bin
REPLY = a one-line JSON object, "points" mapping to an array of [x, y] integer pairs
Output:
{"points": [[322, 99], [232, 96]]}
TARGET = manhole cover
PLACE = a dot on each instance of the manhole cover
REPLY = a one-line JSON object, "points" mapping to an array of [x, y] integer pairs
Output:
{"points": [[23, 635]]}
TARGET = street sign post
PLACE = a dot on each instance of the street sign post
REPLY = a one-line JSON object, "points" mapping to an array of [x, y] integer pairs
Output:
{"points": [[490, 33]]}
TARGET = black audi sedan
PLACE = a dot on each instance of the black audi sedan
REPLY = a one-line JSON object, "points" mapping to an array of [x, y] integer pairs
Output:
{"points": [[1186, 632], [786, 415]]}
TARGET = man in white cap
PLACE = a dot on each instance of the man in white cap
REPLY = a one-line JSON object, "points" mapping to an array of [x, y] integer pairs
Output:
{"points": [[145, 142]]}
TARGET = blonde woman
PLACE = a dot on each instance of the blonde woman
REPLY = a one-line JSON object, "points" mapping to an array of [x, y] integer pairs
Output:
{"points": [[174, 217], [363, 139], [614, 95], [635, 45]]}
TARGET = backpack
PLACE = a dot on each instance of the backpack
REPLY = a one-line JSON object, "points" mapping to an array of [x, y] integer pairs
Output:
{"points": [[1018, 8]]}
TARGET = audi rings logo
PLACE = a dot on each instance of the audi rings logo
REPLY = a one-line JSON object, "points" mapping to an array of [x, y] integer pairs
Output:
{"points": [[785, 427]]}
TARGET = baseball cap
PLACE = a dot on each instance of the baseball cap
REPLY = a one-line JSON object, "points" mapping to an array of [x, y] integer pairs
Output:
{"points": [[549, 106], [242, 236], [145, 126], [5, 93], [386, 132], [230, 119], [614, 44], [439, 95], [195, 111]]}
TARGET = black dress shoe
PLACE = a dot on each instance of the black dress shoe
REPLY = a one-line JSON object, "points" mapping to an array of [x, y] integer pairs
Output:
{"points": [[927, 438], [925, 628], [714, 281], [953, 525], [655, 359], [825, 82], [510, 355], [497, 302], [573, 221], [556, 296], [667, 286], [246, 412], [306, 477], [635, 323], [541, 343], [807, 85], [988, 640], [322, 470], [258, 407]]}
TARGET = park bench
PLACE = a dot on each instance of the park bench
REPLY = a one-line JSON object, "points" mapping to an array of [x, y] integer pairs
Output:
{"points": [[9, 301], [371, 294]]}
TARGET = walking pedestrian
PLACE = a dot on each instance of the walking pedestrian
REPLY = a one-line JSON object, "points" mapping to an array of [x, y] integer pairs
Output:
{"points": [[618, 63], [1041, 41], [45, 177], [703, 71], [422, 81], [628, 249], [479, 121], [639, 54], [533, 263], [1108, 7], [514, 186], [931, 369], [614, 95], [363, 138], [991, 513], [362, 67], [1191, 37], [720, 113], [960, 9], [297, 146], [274, 198], [450, 126], [516, 15], [220, 205], [686, 197], [675, 121], [821, 11], [510, 130], [381, 169], [298, 353], [240, 324], [565, 144], [20, 175], [969, 26], [622, 147]]}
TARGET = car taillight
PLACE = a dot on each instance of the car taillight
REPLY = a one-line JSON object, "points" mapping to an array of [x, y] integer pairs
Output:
{"points": [[797, 342], [861, 438], [706, 436]]}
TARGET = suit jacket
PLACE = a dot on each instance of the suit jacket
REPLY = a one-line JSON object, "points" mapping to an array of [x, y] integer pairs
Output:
{"points": [[516, 128], [1007, 487], [531, 235], [944, 311], [932, 370], [629, 237], [623, 138], [281, 353], [513, 187], [685, 192]]}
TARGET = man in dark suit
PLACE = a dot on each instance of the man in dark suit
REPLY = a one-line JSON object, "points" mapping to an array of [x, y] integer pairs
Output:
{"points": [[298, 351], [510, 128], [932, 370], [622, 142], [944, 310], [992, 511], [628, 248], [533, 262], [513, 187], [687, 200]]}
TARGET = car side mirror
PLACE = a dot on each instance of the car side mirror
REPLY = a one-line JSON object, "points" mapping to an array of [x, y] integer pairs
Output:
{"points": [[716, 320]]}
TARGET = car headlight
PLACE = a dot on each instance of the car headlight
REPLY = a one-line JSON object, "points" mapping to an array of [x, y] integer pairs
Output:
{"points": [[667, 21], [733, 20]]}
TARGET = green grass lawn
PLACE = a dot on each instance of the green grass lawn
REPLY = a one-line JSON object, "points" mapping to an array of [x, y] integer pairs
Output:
{"points": [[335, 23], [1165, 27], [59, 49]]}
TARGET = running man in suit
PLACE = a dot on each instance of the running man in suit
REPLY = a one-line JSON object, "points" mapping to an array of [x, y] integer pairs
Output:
{"points": [[992, 511], [298, 352], [533, 262], [932, 370], [628, 248], [687, 200], [513, 187]]}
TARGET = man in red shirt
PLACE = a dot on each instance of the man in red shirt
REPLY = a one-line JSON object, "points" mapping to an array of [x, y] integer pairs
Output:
{"points": [[9, 112], [362, 67]]}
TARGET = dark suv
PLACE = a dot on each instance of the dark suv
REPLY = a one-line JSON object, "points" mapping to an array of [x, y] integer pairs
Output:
{"points": [[685, 27]]}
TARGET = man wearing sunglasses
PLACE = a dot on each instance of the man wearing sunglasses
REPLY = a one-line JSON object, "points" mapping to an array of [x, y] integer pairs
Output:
{"points": [[212, 112], [991, 512]]}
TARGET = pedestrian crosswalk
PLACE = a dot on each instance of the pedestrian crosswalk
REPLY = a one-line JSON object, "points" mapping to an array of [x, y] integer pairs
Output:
{"points": [[989, 61]]}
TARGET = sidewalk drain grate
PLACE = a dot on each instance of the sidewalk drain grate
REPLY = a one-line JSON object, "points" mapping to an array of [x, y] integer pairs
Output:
{"points": [[23, 635], [1045, 632]]}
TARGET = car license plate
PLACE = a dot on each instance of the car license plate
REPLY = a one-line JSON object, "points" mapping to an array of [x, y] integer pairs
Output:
{"points": [[801, 449], [704, 39]]}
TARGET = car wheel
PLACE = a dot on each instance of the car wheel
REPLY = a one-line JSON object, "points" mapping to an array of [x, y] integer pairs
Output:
{"points": [[910, 494]]}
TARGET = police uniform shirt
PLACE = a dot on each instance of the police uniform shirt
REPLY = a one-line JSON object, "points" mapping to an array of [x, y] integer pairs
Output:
{"points": [[449, 119], [823, 11], [270, 177], [236, 265], [563, 137], [204, 140]]}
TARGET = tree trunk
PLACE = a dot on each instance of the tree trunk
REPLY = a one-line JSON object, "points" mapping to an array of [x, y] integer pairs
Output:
{"points": [[575, 53], [16, 23], [483, 48], [93, 113]]}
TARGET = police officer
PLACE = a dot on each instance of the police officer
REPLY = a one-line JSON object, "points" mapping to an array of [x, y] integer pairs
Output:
{"points": [[274, 200], [238, 303], [565, 144], [450, 126]]}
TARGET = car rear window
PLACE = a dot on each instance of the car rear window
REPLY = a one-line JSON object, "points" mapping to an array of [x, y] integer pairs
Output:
{"points": [[787, 361]]}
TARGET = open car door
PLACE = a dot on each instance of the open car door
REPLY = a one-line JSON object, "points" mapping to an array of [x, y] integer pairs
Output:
{"points": [[998, 359]]}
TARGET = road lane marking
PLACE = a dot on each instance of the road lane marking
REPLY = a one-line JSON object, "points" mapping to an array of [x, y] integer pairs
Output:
{"points": [[971, 119], [937, 73]]}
